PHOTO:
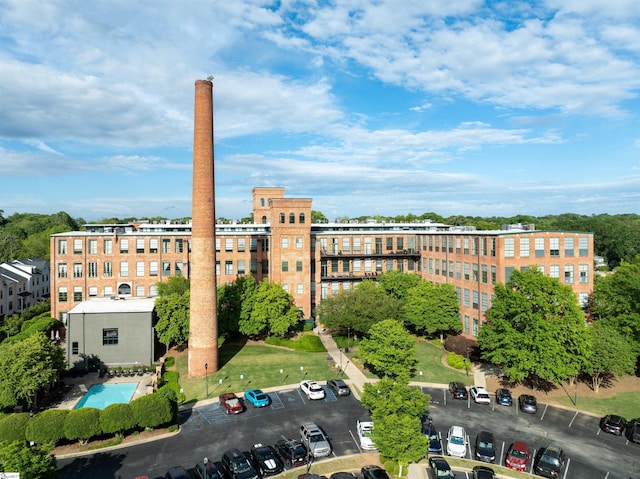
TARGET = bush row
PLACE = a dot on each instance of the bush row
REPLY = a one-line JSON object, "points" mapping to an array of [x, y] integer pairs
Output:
{"points": [[51, 426], [457, 361]]}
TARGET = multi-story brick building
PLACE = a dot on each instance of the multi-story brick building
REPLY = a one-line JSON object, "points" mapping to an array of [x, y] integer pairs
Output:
{"points": [[314, 261]]}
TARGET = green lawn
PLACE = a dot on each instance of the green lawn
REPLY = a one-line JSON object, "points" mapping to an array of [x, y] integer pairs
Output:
{"points": [[625, 404]]}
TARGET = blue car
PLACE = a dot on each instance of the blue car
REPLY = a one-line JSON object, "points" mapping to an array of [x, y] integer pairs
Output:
{"points": [[503, 397], [435, 445], [256, 397]]}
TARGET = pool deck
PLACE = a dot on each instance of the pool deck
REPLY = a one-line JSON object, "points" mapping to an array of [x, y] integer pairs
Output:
{"points": [[78, 386]]}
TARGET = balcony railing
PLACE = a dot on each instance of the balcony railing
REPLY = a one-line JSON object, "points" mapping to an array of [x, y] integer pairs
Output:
{"points": [[360, 254]]}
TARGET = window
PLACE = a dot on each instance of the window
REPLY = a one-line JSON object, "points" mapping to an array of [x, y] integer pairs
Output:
{"points": [[140, 245], [77, 293], [153, 268], [466, 324], [583, 300], [62, 246], [493, 274], [298, 265], [253, 244], [228, 244], [554, 271], [178, 268], [139, 291], [301, 218], [108, 291], [93, 291], [264, 219], [356, 244], [285, 266], [475, 327], [484, 305], [77, 270], [139, 268], [253, 266], [466, 271], [378, 265], [153, 245], [77, 246], [466, 297], [153, 290], [507, 273], [241, 266], [284, 242], [108, 269], [74, 347], [124, 268], [400, 243], [110, 336], [367, 246], [539, 246], [357, 266], [261, 202], [583, 246], [389, 265], [62, 270], [62, 294], [217, 268], [265, 245], [389, 243], [492, 247], [300, 288], [411, 266], [568, 274], [346, 244], [509, 247], [92, 268], [124, 245], [554, 246], [475, 300], [218, 245], [484, 274], [281, 218], [108, 246], [524, 247], [242, 244], [228, 267], [458, 270], [166, 268], [474, 246], [584, 273], [474, 272], [299, 243], [458, 245], [166, 245], [179, 245], [93, 246], [265, 266], [465, 248]]}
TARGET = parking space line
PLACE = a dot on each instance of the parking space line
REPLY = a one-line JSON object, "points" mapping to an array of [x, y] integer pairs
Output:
{"points": [[606, 475], [301, 396], [355, 441], [566, 469], [544, 412], [329, 395], [276, 401], [573, 418]]}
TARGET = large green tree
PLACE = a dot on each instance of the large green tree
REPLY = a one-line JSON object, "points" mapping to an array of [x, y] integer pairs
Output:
{"points": [[231, 297], [173, 319], [270, 310], [30, 462], [432, 308], [388, 396], [611, 354], [535, 329], [398, 284], [399, 437], [389, 350]]}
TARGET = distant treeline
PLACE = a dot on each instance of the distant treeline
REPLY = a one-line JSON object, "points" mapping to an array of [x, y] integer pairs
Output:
{"points": [[616, 237]]}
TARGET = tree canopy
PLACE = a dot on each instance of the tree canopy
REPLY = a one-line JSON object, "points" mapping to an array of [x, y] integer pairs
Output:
{"points": [[432, 308], [271, 310], [611, 354], [390, 350]]}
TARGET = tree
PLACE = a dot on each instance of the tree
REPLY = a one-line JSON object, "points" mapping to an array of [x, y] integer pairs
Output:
{"points": [[47, 427], [389, 350], [398, 284], [389, 397], [31, 462], [432, 308], [173, 318], [535, 329], [611, 353], [13, 427], [271, 310], [152, 410], [82, 424], [318, 217], [117, 419], [231, 297], [399, 437]]}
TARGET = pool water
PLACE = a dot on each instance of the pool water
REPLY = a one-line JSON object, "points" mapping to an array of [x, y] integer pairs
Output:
{"points": [[100, 396]]}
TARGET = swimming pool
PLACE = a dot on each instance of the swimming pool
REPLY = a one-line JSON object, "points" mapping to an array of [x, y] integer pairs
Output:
{"points": [[100, 396]]}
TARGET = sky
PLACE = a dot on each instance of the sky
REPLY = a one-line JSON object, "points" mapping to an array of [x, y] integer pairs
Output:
{"points": [[380, 107]]}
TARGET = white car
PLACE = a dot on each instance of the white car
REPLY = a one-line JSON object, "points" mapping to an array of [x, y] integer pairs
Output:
{"points": [[365, 434], [480, 395], [312, 389], [457, 441]]}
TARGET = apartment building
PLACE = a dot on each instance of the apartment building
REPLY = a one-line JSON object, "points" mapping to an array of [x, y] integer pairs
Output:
{"points": [[23, 283], [314, 261]]}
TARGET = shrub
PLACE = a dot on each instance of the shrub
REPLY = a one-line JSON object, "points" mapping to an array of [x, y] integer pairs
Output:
{"points": [[459, 344], [117, 419], [169, 361], [171, 376], [47, 427], [152, 410], [457, 361], [82, 424], [13, 427], [32, 462]]}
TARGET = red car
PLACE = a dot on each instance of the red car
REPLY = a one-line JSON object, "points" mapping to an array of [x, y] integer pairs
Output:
{"points": [[230, 403], [518, 456]]}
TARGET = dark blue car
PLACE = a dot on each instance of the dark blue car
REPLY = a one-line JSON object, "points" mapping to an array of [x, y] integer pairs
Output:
{"points": [[503, 397], [435, 445]]}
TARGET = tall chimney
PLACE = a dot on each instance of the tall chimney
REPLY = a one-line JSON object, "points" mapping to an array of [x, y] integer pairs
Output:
{"points": [[203, 321]]}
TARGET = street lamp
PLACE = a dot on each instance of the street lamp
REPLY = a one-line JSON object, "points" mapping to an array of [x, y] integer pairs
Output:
{"points": [[348, 339], [466, 364], [206, 379]]}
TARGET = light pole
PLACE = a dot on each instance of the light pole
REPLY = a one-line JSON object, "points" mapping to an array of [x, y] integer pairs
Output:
{"points": [[340, 349], [466, 364], [206, 379], [348, 339]]}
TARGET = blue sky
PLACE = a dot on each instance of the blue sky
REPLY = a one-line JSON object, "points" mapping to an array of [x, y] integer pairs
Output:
{"points": [[385, 107]]}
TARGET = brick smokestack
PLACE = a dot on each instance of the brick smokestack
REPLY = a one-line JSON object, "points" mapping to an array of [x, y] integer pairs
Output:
{"points": [[203, 320]]}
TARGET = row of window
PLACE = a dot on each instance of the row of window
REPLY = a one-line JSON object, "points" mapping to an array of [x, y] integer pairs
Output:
{"points": [[540, 246], [107, 269], [109, 338], [292, 218], [368, 245], [126, 245], [107, 291], [367, 265]]}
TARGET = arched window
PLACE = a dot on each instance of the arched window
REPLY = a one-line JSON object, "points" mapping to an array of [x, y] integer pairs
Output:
{"points": [[261, 201], [281, 218], [292, 218], [301, 218], [124, 288], [264, 220]]}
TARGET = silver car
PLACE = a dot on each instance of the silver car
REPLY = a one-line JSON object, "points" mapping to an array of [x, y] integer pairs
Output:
{"points": [[315, 439]]}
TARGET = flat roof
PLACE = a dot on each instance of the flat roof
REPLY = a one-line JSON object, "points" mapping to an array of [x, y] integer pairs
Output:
{"points": [[107, 305]]}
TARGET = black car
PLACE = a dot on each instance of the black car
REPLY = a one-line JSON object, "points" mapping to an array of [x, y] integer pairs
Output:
{"points": [[339, 387], [177, 472], [485, 447], [528, 403], [548, 462], [458, 390], [439, 468], [343, 475], [435, 445], [207, 469], [373, 472], [503, 397], [483, 472], [237, 466], [265, 460], [292, 452], [613, 424], [633, 430]]}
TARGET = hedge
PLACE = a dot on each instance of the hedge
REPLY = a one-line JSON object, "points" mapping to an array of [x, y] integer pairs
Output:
{"points": [[47, 427], [152, 410], [117, 419], [82, 424], [13, 427]]}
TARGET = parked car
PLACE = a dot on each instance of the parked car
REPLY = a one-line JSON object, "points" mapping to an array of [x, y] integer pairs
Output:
{"points": [[365, 434], [292, 452], [518, 456], [230, 403], [237, 466], [343, 475], [482, 472], [503, 397], [548, 462], [435, 444], [528, 403], [479, 395], [207, 469], [457, 441], [312, 389], [373, 472], [613, 424], [339, 387], [458, 390], [265, 460], [485, 447], [257, 398], [439, 468], [177, 472], [633, 430], [315, 440]]}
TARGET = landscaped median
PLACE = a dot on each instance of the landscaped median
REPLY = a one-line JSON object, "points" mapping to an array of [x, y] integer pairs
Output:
{"points": [[468, 465]]}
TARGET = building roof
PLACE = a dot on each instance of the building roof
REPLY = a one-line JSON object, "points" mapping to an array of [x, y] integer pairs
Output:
{"points": [[106, 305]]}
